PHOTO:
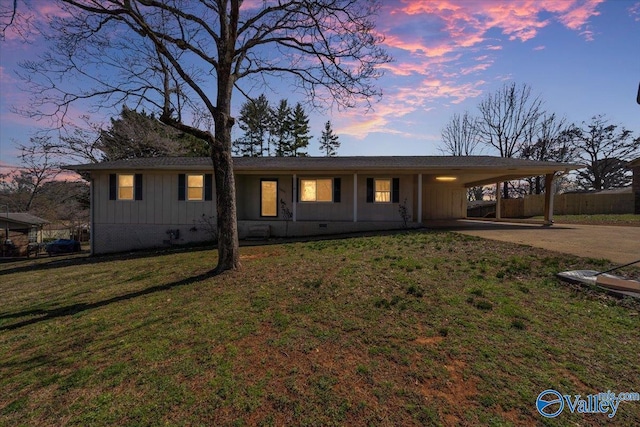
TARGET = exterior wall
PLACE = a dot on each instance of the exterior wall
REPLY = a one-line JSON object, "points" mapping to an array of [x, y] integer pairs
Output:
{"points": [[121, 225], [160, 219], [126, 237], [248, 199], [248, 195], [319, 228], [443, 201]]}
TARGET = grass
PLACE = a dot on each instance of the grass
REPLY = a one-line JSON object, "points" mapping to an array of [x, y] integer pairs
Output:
{"points": [[416, 328]]}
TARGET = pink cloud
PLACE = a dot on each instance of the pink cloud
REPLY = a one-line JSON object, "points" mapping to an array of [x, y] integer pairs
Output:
{"points": [[358, 125], [458, 25], [539, 47], [432, 89], [576, 17], [6, 78], [6, 167], [634, 12], [28, 18], [391, 114]]}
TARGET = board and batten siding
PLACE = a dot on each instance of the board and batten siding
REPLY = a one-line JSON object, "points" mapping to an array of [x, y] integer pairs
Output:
{"points": [[441, 201], [248, 199], [135, 224]]}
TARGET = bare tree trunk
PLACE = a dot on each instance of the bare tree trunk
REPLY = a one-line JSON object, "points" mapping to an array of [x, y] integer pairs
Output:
{"points": [[228, 247]]}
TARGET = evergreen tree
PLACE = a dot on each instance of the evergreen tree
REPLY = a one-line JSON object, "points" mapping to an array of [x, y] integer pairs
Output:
{"points": [[254, 121], [329, 141], [300, 136], [138, 134], [280, 129]]}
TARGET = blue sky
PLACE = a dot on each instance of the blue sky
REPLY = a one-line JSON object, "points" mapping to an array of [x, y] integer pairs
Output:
{"points": [[581, 56]]}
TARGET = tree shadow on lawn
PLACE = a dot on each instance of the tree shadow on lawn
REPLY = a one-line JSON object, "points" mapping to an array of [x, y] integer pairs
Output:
{"points": [[61, 261], [70, 310]]}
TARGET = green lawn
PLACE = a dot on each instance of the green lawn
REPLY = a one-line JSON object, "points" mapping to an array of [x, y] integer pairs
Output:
{"points": [[416, 328]]}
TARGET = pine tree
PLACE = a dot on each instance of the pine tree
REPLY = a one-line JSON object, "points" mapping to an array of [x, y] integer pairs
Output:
{"points": [[280, 128], [329, 141], [299, 132], [254, 121], [139, 134]]}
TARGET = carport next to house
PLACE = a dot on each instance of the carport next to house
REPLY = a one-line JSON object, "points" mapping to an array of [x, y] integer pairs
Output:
{"points": [[618, 244]]}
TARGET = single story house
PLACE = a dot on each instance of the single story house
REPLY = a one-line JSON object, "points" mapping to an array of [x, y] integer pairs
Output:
{"points": [[19, 230], [148, 202]]}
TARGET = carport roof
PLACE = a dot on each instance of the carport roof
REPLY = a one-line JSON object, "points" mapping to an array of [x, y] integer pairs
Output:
{"points": [[22, 218]]}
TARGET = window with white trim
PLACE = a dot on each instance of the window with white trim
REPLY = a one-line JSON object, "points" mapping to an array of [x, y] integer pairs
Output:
{"points": [[382, 190], [269, 198], [125, 187], [316, 190], [195, 187]]}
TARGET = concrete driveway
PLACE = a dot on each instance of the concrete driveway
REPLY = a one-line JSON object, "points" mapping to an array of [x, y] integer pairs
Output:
{"points": [[618, 244]]}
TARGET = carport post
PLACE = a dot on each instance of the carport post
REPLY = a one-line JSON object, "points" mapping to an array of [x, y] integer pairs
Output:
{"points": [[498, 201], [549, 186]]}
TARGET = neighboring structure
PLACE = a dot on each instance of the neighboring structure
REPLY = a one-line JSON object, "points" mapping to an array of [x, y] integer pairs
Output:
{"points": [[141, 203], [60, 230], [20, 229]]}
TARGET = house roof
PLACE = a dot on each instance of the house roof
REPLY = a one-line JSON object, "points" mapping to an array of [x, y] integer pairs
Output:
{"points": [[347, 164], [467, 170], [22, 218]]}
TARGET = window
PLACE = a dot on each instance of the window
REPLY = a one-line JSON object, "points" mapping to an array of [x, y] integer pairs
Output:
{"points": [[195, 187], [125, 187], [269, 198], [382, 192], [316, 190], [33, 235]]}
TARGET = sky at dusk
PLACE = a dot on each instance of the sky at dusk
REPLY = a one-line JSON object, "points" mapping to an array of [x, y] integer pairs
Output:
{"points": [[581, 56]]}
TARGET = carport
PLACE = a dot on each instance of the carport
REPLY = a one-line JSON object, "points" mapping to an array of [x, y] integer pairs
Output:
{"points": [[20, 230]]}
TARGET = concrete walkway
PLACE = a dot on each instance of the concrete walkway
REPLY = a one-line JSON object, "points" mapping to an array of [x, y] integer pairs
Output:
{"points": [[619, 244]]}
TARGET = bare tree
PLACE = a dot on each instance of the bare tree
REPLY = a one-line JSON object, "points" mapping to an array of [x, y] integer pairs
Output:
{"points": [[461, 135], [505, 118], [605, 151], [184, 58], [38, 167], [545, 140]]}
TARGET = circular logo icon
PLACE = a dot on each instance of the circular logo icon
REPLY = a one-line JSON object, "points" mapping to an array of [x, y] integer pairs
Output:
{"points": [[550, 403]]}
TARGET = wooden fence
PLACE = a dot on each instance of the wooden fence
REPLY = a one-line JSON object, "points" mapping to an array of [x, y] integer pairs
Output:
{"points": [[570, 204]]}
